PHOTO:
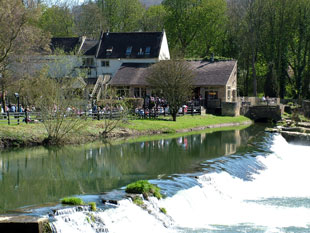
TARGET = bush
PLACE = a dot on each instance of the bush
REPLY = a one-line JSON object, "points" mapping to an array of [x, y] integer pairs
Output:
{"points": [[134, 103], [72, 201], [145, 188], [163, 210], [138, 201], [93, 206]]}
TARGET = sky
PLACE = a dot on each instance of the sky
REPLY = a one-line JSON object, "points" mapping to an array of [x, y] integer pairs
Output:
{"points": [[56, 2], [52, 2]]}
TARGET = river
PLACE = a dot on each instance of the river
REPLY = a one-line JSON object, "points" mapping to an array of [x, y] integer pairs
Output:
{"points": [[226, 181]]}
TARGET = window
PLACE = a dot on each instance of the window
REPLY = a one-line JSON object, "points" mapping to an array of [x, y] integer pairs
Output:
{"points": [[105, 63], [211, 95], [148, 50], [143, 92], [88, 61], [136, 92], [109, 51], [128, 50], [122, 91], [139, 92], [234, 95], [228, 92]]}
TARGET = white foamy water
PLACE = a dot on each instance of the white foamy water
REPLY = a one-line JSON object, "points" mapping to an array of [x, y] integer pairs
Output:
{"points": [[270, 200], [277, 199], [127, 217]]}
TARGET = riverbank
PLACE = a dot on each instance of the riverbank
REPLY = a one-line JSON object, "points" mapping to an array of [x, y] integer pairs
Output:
{"points": [[25, 135]]}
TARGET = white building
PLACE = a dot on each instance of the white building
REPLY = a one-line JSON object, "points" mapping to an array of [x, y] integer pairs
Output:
{"points": [[113, 49]]}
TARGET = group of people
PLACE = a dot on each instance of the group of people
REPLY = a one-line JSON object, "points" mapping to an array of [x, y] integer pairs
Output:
{"points": [[15, 108], [10, 108], [265, 99]]}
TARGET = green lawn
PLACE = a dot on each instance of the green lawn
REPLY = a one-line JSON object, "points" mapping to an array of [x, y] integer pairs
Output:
{"points": [[183, 122], [27, 134]]}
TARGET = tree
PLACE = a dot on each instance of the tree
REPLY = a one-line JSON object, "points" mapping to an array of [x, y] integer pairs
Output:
{"points": [[122, 15], [58, 105], [110, 104], [299, 46], [210, 35], [130, 15], [153, 19], [173, 80], [57, 20], [275, 37], [19, 36], [252, 28], [271, 85], [88, 20], [183, 22]]}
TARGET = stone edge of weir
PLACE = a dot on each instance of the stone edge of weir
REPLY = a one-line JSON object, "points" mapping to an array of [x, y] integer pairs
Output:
{"points": [[25, 224]]}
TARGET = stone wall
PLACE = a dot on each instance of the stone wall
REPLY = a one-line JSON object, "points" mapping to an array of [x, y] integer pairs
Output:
{"points": [[306, 108], [261, 112], [25, 224], [230, 109]]}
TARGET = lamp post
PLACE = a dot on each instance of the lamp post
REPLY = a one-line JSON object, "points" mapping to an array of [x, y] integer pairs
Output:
{"points": [[18, 110], [2, 100], [17, 97], [91, 101]]}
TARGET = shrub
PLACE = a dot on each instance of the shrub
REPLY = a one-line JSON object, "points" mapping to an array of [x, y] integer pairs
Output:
{"points": [[93, 206], [138, 201], [145, 188], [134, 103], [163, 210], [72, 201]]}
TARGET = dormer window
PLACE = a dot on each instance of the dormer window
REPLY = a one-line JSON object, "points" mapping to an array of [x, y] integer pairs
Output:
{"points": [[109, 51], [128, 51], [148, 50]]}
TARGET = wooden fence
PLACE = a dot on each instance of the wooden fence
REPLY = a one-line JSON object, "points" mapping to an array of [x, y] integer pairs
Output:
{"points": [[16, 118]]}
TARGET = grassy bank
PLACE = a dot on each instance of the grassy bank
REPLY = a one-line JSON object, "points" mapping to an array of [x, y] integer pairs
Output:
{"points": [[165, 125], [34, 134]]}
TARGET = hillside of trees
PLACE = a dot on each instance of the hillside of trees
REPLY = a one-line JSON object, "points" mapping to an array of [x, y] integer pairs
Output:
{"points": [[270, 39]]}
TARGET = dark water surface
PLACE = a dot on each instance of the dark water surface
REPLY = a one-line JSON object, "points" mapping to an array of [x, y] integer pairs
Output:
{"points": [[40, 175]]}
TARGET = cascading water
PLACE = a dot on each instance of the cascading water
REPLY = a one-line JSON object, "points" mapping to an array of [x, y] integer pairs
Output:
{"points": [[267, 192]]}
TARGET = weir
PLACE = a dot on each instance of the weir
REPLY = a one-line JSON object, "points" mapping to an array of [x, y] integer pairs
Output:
{"points": [[257, 184]]}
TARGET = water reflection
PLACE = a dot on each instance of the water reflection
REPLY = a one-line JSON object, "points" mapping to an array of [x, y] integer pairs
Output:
{"points": [[40, 175]]}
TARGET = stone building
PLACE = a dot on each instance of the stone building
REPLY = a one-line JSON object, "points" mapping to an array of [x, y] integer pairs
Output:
{"points": [[213, 81]]}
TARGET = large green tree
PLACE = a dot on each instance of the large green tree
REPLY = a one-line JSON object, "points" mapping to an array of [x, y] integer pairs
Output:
{"points": [[88, 20], [299, 47], [57, 20], [183, 22], [122, 15], [211, 33], [153, 19]]}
